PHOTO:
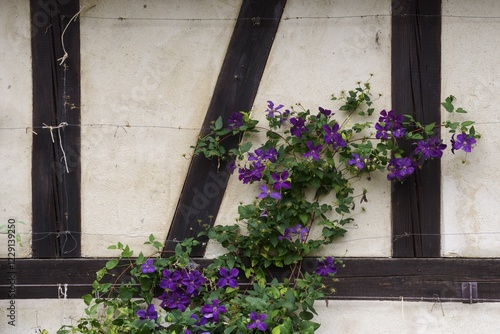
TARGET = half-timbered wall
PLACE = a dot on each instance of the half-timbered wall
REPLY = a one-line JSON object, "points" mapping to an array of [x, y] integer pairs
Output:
{"points": [[149, 75]]}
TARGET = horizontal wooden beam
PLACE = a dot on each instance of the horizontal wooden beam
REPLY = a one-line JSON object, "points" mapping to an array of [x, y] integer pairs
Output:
{"points": [[431, 279]]}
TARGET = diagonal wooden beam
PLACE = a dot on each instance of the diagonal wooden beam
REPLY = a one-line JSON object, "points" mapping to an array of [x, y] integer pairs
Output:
{"points": [[235, 90]]}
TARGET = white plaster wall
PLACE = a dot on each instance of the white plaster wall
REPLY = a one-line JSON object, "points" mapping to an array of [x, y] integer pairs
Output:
{"points": [[340, 317], [471, 72], [311, 58], [155, 78], [15, 123]]}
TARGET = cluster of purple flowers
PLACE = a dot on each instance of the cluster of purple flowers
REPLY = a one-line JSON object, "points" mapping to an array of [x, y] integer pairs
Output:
{"points": [[389, 122], [292, 232], [258, 158], [210, 312], [326, 267], [180, 286]]}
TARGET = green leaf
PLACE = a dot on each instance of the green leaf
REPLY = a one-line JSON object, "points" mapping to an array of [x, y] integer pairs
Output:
{"points": [[245, 147], [429, 129], [218, 123], [87, 299], [111, 264], [461, 111], [276, 330], [448, 105]]}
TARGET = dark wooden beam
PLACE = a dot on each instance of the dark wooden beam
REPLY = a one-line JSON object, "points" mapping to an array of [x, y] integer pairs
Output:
{"points": [[416, 90], [359, 278], [235, 90], [56, 152]]}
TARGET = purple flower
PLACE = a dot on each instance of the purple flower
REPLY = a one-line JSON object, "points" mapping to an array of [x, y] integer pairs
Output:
{"points": [[212, 311], [235, 120], [357, 161], [271, 110], [280, 180], [291, 232], [313, 151], [333, 137], [432, 148], [326, 267], [231, 166], [148, 314], [389, 121], [400, 168], [260, 155], [148, 267], [228, 277], [192, 281], [382, 131], [257, 321], [325, 112], [254, 173], [265, 193], [463, 142], [174, 300], [298, 127], [171, 280]]}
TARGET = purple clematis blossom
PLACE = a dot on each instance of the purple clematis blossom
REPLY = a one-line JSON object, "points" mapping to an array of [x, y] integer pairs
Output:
{"points": [[235, 120], [313, 152], [228, 277], [257, 321], [431, 148], [298, 127], [333, 137], [463, 142], [271, 110], [280, 180], [291, 232], [400, 168], [254, 173], [192, 281], [148, 314], [326, 267], [268, 193], [174, 300], [212, 311], [357, 161], [148, 267], [325, 112]]}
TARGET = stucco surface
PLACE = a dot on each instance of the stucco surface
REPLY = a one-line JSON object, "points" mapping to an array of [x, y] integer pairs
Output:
{"points": [[471, 72], [146, 85], [15, 123]]}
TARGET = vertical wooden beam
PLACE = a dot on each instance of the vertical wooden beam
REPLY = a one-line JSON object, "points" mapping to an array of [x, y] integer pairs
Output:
{"points": [[235, 90], [56, 152], [416, 90]]}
